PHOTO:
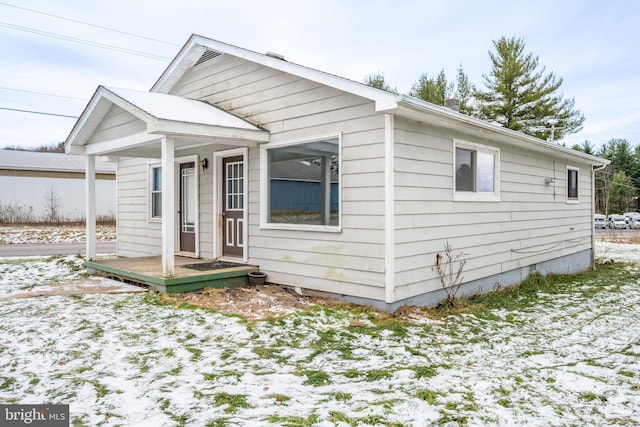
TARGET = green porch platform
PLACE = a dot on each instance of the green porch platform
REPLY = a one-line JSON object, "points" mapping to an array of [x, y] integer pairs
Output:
{"points": [[190, 274]]}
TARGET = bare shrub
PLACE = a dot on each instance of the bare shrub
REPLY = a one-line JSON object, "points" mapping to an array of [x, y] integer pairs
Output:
{"points": [[449, 267], [12, 213]]}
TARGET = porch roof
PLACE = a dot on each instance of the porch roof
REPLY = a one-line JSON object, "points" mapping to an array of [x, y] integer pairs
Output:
{"points": [[191, 122]]}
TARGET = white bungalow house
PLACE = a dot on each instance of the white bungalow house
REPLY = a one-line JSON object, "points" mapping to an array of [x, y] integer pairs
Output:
{"points": [[329, 185]]}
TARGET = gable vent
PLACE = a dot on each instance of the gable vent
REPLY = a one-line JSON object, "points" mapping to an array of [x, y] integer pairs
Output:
{"points": [[207, 55]]}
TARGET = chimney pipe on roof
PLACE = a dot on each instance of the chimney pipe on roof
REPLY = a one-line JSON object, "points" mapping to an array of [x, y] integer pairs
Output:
{"points": [[275, 55], [452, 104]]}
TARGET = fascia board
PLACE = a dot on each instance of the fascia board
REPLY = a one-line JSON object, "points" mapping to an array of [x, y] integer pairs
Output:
{"points": [[170, 127], [95, 111], [321, 77], [423, 111]]}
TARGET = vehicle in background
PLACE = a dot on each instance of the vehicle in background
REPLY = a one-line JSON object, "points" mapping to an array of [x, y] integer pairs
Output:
{"points": [[599, 221], [635, 222], [629, 215], [615, 221]]}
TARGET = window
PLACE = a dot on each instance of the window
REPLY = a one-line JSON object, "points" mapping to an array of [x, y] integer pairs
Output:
{"points": [[303, 182], [572, 184], [155, 191], [476, 172]]}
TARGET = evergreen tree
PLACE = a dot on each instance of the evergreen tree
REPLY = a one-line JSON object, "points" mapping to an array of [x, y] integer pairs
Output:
{"points": [[432, 89], [522, 97], [624, 172], [621, 194], [378, 81], [464, 92], [586, 147]]}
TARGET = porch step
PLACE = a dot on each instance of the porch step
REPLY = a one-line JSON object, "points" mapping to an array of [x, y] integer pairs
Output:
{"points": [[186, 279]]}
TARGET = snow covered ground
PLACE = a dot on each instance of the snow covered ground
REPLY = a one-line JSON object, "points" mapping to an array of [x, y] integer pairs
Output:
{"points": [[570, 358], [17, 234]]}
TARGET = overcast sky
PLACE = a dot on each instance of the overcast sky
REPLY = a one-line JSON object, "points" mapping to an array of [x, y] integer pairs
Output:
{"points": [[593, 45]]}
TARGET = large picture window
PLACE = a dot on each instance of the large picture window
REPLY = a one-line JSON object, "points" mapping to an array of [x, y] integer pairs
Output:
{"points": [[572, 184], [476, 174], [155, 192], [304, 183]]}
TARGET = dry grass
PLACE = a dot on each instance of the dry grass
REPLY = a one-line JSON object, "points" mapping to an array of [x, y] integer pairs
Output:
{"points": [[620, 236]]}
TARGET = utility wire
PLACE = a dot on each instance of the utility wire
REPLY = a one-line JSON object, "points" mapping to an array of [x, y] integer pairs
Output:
{"points": [[88, 24], [42, 93], [86, 42], [44, 113]]}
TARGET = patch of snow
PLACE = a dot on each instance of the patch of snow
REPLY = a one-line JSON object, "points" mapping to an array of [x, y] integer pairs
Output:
{"points": [[570, 359], [16, 235]]}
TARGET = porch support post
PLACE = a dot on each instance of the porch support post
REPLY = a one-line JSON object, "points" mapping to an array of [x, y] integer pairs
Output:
{"points": [[168, 208], [90, 207]]}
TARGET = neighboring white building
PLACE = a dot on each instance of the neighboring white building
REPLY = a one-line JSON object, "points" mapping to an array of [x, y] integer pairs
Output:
{"points": [[29, 180], [393, 178]]}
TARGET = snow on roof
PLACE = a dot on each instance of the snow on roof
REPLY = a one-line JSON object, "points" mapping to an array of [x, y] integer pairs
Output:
{"points": [[177, 108], [59, 162]]}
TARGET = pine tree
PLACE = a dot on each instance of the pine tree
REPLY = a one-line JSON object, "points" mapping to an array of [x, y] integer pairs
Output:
{"points": [[378, 81], [520, 96], [432, 89], [464, 92]]}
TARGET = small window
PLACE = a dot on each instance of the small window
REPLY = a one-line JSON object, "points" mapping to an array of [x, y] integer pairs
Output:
{"points": [[155, 191], [476, 172], [572, 184], [304, 184]]}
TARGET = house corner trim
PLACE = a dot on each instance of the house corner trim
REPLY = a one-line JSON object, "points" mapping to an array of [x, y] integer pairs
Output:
{"points": [[389, 214]]}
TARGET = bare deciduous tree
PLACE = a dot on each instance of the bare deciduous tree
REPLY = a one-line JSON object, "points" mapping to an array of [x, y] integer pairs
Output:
{"points": [[52, 206]]}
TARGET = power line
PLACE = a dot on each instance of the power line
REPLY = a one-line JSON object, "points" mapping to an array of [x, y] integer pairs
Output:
{"points": [[42, 93], [86, 42], [44, 113], [89, 24]]}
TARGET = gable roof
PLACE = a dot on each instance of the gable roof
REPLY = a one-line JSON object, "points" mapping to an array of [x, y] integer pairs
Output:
{"points": [[162, 114], [198, 47]]}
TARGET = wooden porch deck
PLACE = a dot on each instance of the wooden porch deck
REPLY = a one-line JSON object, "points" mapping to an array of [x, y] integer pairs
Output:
{"points": [[190, 274]]}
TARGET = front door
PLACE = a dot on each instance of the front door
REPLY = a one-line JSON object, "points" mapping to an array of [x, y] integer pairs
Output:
{"points": [[233, 206], [187, 213]]}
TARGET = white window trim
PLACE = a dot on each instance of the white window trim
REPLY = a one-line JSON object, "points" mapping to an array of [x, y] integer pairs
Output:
{"points": [[264, 186], [577, 199], [150, 167], [466, 196]]}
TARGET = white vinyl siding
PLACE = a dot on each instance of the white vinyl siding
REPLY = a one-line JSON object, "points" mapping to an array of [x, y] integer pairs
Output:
{"points": [[531, 224], [137, 236], [295, 109], [117, 123]]}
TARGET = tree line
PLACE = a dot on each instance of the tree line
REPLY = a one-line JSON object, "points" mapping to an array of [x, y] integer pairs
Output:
{"points": [[520, 94], [618, 185]]}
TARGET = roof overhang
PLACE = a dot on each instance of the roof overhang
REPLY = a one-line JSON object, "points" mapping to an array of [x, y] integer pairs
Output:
{"points": [[190, 122], [415, 109], [197, 45], [401, 105]]}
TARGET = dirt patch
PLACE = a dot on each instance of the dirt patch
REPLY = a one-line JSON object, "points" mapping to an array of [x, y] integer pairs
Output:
{"points": [[271, 301], [251, 302]]}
